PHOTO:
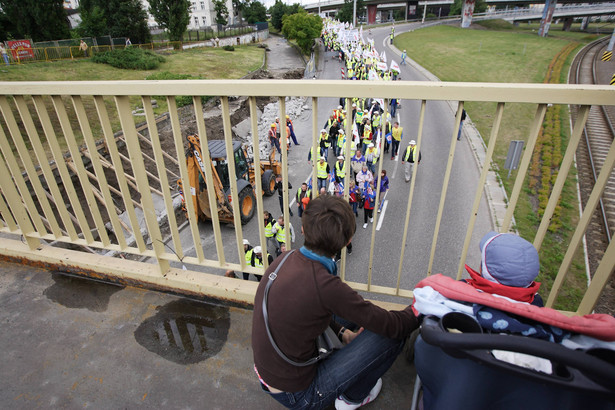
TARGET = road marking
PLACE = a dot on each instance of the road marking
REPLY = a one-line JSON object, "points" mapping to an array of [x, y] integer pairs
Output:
{"points": [[381, 217]]}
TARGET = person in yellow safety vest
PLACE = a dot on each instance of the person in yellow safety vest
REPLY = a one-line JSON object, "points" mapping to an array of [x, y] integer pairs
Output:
{"points": [[376, 118], [340, 170], [339, 143], [358, 118], [371, 157], [254, 257], [324, 142], [311, 154], [337, 113], [367, 135], [303, 193], [397, 134], [322, 173], [280, 232], [269, 222], [247, 248], [409, 158], [350, 74]]}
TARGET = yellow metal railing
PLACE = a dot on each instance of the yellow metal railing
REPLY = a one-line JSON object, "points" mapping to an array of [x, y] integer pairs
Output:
{"points": [[57, 157]]}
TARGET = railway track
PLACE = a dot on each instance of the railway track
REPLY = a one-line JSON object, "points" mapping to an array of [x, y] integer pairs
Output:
{"points": [[591, 153]]}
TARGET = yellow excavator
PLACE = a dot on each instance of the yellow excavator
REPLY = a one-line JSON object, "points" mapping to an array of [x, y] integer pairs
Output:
{"points": [[221, 184]]}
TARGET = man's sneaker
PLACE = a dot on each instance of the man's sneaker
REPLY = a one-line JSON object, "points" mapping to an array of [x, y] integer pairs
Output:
{"points": [[365, 225], [341, 404], [371, 219]]}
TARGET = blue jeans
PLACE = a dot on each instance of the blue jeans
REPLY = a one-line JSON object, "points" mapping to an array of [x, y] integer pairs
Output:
{"points": [[275, 143], [322, 183], [460, 128], [395, 148], [351, 372]]}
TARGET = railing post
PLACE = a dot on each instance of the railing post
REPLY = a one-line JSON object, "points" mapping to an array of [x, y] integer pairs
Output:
{"points": [[134, 150]]}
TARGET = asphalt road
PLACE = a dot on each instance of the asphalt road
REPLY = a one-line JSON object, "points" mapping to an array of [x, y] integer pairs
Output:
{"points": [[437, 136]]}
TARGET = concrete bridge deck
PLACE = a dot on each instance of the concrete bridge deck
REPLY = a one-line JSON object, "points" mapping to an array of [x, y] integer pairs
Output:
{"points": [[73, 343]]}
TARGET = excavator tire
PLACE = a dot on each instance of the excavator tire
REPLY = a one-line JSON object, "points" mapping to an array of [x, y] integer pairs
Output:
{"points": [[268, 182], [247, 204]]}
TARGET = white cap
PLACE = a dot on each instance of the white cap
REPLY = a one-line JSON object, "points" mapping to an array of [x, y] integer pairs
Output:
{"points": [[340, 157], [370, 145], [257, 249], [339, 107], [412, 142], [323, 131], [322, 159], [246, 242]]}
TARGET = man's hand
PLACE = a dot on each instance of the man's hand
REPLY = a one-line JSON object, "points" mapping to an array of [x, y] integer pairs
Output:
{"points": [[349, 335]]}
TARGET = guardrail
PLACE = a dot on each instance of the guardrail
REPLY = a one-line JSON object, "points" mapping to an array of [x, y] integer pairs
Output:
{"points": [[50, 198]]}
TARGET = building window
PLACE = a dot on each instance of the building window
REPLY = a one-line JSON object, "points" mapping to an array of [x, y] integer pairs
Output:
{"points": [[196, 21], [202, 5], [204, 20], [194, 5]]}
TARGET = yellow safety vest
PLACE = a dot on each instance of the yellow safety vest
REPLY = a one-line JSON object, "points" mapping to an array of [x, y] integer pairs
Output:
{"points": [[308, 193], [397, 133], [376, 121], [280, 236], [410, 153], [339, 169], [340, 139], [249, 256], [374, 154], [321, 170], [359, 117], [268, 232], [367, 135]]}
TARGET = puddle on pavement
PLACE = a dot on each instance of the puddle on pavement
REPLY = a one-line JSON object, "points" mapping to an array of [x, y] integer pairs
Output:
{"points": [[185, 331], [81, 293]]}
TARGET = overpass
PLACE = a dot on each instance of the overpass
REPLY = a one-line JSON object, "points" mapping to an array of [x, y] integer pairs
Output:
{"points": [[514, 10]]}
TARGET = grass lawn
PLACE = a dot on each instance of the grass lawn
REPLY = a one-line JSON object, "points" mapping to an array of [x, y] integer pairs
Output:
{"points": [[205, 63], [499, 52]]}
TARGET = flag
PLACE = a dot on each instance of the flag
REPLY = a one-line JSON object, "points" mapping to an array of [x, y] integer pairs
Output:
{"points": [[394, 66], [383, 57], [382, 66]]}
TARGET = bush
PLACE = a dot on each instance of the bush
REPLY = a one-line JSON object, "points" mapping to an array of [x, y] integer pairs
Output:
{"points": [[131, 58], [228, 48]]}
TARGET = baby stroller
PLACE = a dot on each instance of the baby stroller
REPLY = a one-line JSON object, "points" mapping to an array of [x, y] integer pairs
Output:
{"points": [[458, 369]]}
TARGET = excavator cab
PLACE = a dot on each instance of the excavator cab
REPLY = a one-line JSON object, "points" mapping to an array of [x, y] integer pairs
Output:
{"points": [[244, 174]]}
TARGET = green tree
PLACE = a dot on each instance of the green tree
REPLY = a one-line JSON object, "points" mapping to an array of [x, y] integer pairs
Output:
{"points": [[221, 12], [345, 13], [479, 7], [172, 15], [303, 28], [93, 22], [279, 10], [39, 20], [122, 18], [255, 12]]}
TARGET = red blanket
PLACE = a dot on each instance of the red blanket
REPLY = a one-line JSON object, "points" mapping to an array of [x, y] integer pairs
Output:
{"points": [[598, 325]]}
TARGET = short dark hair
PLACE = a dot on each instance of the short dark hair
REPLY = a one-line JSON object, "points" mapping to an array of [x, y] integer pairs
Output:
{"points": [[328, 225]]}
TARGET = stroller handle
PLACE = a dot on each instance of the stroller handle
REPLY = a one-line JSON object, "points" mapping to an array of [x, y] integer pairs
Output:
{"points": [[573, 369]]}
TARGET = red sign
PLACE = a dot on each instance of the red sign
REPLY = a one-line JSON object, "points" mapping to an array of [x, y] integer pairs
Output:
{"points": [[21, 49]]}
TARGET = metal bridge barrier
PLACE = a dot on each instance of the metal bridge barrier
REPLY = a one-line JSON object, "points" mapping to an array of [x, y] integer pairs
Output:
{"points": [[72, 155]]}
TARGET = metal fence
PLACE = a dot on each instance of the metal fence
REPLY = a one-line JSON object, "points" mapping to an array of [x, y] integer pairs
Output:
{"points": [[51, 197]]}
